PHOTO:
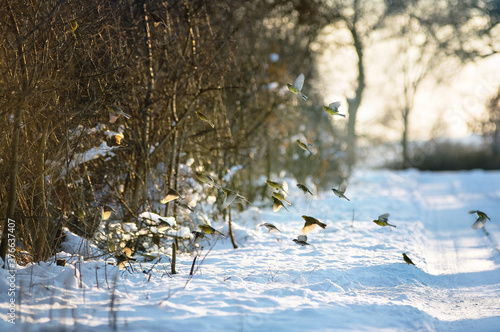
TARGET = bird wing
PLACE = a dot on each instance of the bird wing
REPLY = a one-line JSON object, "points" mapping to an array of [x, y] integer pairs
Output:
{"points": [[384, 217], [299, 82], [473, 211], [335, 105], [302, 238], [230, 197], [113, 118], [342, 187]]}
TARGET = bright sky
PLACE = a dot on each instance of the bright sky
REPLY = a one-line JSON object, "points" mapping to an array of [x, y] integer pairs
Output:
{"points": [[440, 110]]}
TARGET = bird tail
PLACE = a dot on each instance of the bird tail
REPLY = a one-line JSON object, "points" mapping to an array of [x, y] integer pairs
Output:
{"points": [[391, 225], [303, 96], [126, 115], [320, 224]]}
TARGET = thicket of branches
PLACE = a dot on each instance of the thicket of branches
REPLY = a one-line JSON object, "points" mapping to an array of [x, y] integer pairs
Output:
{"points": [[63, 62]]}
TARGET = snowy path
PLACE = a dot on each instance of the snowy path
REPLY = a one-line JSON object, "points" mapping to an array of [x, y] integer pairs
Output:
{"points": [[351, 278]]}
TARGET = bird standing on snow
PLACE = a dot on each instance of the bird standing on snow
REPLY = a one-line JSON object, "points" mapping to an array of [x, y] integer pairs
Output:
{"points": [[210, 230], [407, 259], [481, 219], [270, 227], [333, 108], [382, 220], [301, 240], [310, 224], [297, 86], [304, 188], [341, 190], [115, 112]]}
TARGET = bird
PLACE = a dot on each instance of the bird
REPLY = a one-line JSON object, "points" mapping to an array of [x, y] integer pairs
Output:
{"points": [[157, 20], [172, 194], [115, 112], [210, 230], [304, 188], [407, 260], [277, 186], [183, 205], [382, 220], [311, 223], [278, 204], [74, 25], [115, 140], [481, 219], [304, 146], [124, 257], [207, 179], [270, 227], [297, 86], [197, 236], [232, 196], [163, 225], [105, 211], [301, 240], [333, 108], [204, 118], [281, 197], [341, 190]]}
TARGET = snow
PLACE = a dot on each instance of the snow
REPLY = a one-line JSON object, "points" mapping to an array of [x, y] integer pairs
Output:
{"points": [[351, 278]]}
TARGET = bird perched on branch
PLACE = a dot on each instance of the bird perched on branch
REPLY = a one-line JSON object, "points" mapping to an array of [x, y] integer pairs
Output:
{"points": [[271, 228], [296, 88], [311, 223], [333, 108], [115, 112], [301, 240], [341, 190], [383, 220], [278, 204], [204, 118], [277, 186], [304, 188], [171, 195], [210, 230], [407, 259], [207, 179]]}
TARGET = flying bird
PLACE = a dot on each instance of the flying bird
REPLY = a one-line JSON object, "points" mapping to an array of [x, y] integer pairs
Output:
{"points": [[270, 227], [281, 197], [304, 146], [197, 236], [204, 118], [278, 204], [207, 229], [172, 194], [105, 211], [341, 190], [301, 240], [481, 219], [304, 188], [407, 259], [333, 108], [383, 220], [183, 205], [311, 223], [297, 86], [277, 186], [115, 140], [207, 179], [115, 112]]}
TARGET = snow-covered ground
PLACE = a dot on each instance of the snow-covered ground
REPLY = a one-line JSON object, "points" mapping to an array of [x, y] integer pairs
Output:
{"points": [[351, 278]]}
